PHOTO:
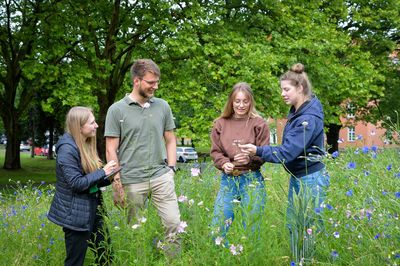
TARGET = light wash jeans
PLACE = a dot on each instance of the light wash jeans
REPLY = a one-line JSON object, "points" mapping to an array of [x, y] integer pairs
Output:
{"points": [[247, 188], [314, 185], [305, 210]]}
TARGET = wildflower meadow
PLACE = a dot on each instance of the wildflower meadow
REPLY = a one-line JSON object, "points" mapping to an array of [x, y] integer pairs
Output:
{"points": [[360, 220]]}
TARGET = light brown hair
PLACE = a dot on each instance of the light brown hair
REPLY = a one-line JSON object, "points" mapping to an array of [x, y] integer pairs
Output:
{"points": [[76, 118], [246, 89], [297, 76], [142, 66]]}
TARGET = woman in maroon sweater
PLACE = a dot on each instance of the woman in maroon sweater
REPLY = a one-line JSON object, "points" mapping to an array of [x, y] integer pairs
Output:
{"points": [[241, 180]]}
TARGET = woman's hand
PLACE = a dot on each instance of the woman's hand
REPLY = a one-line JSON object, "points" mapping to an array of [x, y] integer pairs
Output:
{"points": [[228, 167], [241, 159], [110, 167], [248, 149]]}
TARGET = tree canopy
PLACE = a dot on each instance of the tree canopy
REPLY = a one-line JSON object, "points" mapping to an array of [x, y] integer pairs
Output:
{"points": [[79, 53]]}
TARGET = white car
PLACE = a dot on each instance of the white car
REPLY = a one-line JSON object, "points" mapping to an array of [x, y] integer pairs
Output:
{"points": [[24, 147], [184, 154]]}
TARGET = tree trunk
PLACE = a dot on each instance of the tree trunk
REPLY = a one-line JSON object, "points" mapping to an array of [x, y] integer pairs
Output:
{"points": [[12, 159], [332, 137], [101, 119], [50, 154]]}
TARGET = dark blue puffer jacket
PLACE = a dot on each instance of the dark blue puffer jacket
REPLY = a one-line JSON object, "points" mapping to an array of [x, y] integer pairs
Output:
{"points": [[73, 206], [303, 137]]}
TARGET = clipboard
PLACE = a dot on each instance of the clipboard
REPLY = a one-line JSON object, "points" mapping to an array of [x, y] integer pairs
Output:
{"points": [[111, 175]]}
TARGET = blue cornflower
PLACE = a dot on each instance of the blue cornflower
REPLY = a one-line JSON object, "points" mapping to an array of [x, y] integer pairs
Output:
{"points": [[384, 193], [42, 224], [397, 256], [334, 254], [366, 173], [374, 155], [389, 167], [329, 207], [397, 194], [360, 137], [374, 148], [335, 154], [377, 236], [42, 183], [317, 210], [349, 193], [351, 165], [397, 175], [365, 149], [48, 250], [292, 263]]}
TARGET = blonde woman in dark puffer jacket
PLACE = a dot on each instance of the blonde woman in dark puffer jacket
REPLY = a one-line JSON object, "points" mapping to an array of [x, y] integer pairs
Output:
{"points": [[77, 202]]}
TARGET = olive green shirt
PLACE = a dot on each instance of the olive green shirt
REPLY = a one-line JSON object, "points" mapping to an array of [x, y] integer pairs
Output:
{"points": [[142, 150]]}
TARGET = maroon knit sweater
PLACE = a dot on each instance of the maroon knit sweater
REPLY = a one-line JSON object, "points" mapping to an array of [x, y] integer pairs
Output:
{"points": [[227, 133]]}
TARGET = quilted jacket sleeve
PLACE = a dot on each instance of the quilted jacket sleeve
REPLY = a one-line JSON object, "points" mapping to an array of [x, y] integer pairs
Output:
{"points": [[69, 163]]}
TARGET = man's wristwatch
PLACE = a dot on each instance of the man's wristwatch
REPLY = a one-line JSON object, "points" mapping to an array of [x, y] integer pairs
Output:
{"points": [[173, 168]]}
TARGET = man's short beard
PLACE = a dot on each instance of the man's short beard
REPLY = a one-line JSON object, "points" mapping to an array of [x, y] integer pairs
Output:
{"points": [[142, 93]]}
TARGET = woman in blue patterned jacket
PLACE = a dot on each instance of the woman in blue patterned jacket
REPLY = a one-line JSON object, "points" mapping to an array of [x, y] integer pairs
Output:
{"points": [[77, 202]]}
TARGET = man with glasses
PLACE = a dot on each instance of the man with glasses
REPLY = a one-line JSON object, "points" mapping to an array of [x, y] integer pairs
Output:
{"points": [[139, 133]]}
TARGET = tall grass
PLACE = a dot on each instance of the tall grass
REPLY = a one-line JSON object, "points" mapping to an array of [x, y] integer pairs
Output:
{"points": [[361, 221]]}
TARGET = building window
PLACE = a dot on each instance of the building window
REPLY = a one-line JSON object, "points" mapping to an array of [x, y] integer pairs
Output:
{"points": [[351, 134], [350, 110], [273, 138]]}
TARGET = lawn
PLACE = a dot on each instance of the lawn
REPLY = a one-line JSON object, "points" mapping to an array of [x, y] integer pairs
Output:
{"points": [[37, 169], [361, 220]]}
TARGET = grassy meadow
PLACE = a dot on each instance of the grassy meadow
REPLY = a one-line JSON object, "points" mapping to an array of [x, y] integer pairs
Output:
{"points": [[361, 219], [35, 169]]}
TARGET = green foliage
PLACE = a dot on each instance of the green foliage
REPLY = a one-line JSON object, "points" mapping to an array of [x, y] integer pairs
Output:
{"points": [[203, 49]]}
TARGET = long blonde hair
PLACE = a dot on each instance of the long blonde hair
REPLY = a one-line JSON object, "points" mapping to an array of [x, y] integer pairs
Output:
{"points": [[76, 118], [246, 89]]}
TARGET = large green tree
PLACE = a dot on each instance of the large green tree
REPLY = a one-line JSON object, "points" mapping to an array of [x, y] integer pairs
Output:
{"points": [[26, 51], [375, 25], [256, 41]]}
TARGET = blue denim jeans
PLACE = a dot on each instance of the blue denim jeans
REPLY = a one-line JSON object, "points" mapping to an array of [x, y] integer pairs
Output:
{"points": [[249, 190], [305, 209]]}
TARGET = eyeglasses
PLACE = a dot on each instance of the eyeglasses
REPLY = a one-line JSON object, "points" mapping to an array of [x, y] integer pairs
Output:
{"points": [[152, 82]]}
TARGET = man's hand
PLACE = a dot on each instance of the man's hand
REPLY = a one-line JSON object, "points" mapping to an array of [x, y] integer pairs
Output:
{"points": [[248, 149], [118, 192]]}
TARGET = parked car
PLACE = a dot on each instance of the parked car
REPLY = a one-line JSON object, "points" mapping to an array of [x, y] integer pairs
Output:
{"points": [[184, 154], [24, 147], [44, 151], [3, 139], [40, 151]]}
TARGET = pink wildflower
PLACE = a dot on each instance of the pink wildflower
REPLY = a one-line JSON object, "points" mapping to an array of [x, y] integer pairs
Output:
{"points": [[181, 227]]}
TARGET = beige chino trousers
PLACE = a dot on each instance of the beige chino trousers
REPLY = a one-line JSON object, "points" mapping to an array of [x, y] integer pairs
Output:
{"points": [[163, 196]]}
